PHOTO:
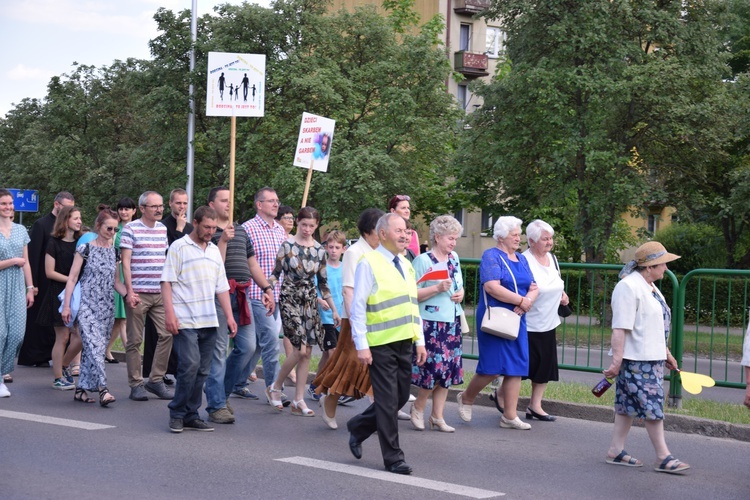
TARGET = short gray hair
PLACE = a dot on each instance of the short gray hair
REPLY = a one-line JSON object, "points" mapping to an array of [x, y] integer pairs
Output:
{"points": [[505, 225], [442, 225], [384, 222], [144, 198], [535, 229]]}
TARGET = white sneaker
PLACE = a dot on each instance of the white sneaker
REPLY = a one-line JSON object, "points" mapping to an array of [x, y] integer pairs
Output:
{"points": [[412, 398], [516, 423], [4, 392], [402, 415]]}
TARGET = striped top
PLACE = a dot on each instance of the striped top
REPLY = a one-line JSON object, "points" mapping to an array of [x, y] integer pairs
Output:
{"points": [[149, 246], [239, 249], [196, 277], [266, 240]]}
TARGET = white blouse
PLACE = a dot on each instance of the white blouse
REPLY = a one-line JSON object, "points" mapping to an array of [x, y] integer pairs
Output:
{"points": [[543, 314], [636, 310]]}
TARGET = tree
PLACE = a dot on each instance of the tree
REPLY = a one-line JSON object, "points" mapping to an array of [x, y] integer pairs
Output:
{"points": [[594, 114]]}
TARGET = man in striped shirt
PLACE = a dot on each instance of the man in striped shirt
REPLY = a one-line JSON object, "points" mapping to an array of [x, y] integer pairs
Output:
{"points": [[193, 278], [143, 245], [266, 235]]}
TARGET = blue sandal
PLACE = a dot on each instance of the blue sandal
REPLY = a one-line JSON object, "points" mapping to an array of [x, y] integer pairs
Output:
{"points": [[676, 468], [620, 460]]}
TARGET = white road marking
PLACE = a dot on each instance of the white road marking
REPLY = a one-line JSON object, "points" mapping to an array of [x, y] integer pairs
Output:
{"points": [[455, 489], [43, 419]]}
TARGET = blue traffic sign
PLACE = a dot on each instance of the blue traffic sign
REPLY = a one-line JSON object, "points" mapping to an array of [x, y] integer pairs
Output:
{"points": [[25, 200]]}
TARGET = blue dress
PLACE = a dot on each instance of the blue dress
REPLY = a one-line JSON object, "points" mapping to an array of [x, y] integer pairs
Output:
{"points": [[501, 356], [12, 298]]}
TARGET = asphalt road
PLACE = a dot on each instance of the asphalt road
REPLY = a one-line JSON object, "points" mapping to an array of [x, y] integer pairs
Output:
{"points": [[270, 455]]}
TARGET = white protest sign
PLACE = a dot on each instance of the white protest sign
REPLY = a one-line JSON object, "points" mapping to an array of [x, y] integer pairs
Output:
{"points": [[236, 84], [314, 142]]}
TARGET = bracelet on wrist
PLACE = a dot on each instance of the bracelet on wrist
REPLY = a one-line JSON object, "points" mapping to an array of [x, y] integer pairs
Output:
{"points": [[30, 287]]}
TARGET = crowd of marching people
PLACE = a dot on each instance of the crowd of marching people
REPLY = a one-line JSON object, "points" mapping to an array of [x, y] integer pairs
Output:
{"points": [[204, 299]]}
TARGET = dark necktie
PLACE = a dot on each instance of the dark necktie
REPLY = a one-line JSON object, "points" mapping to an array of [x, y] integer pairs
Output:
{"points": [[398, 266]]}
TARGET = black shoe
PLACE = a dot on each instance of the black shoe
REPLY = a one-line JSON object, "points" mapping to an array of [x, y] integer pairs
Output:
{"points": [[399, 467], [176, 425], [531, 415], [198, 425], [168, 380], [356, 447], [113, 361], [493, 398]]}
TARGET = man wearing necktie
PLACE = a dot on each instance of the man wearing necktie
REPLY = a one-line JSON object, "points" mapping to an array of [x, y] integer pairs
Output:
{"points": [[385, 322]]}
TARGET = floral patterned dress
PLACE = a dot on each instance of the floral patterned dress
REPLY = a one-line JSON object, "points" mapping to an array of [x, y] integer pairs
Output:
{"points": [[12, 298], [97, 313], [298, 301], [444, 365]]}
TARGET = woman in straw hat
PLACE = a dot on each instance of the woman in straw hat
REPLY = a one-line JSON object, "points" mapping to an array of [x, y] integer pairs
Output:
{"points": [[641, 322]]}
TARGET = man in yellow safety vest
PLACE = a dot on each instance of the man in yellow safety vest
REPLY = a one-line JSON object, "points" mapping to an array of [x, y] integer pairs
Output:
{"points": [[385, 322]]}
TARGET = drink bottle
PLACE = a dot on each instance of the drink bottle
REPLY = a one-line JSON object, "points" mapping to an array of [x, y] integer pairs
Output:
{"points": [[601, 387]]}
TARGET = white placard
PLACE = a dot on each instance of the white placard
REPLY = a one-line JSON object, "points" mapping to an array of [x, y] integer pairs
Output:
{"points": [[236, 84], [314, 142]]}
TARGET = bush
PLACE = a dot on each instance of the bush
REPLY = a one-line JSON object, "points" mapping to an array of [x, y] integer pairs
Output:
{"points": [[701, 246]]}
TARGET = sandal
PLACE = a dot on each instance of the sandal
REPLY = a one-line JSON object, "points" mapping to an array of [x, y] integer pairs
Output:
{"points": [[493, 398], [81, 396], [7, 379], [676, 468], [625, 459], [276, 403], [75, 369], [301, 411], [103, 399]]}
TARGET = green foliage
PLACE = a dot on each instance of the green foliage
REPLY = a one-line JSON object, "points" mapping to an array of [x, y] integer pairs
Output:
{"points": [[601, 112], [108, 132], [700, 246]]}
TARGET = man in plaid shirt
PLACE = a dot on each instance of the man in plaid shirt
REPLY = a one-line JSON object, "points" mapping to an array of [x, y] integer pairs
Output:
{"points": [[266, 235]]}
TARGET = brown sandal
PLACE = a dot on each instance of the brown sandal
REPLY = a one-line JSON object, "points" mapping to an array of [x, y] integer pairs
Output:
{"points": [[81, 396]]}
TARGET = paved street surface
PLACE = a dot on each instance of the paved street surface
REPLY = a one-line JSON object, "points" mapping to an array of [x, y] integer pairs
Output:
{"points": [[52, 447]]}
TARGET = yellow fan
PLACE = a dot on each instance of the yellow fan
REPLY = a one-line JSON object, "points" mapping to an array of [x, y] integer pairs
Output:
{"points": [[695, 382]]}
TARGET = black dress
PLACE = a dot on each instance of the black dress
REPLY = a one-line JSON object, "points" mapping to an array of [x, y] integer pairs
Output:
{"points": [[63, 253]]}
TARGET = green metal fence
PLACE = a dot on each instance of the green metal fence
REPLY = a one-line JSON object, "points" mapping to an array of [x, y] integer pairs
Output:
{"points": [[709, 318]]}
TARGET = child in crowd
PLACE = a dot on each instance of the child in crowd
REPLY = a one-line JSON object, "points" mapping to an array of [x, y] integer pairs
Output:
{"points": [[335, 244]]}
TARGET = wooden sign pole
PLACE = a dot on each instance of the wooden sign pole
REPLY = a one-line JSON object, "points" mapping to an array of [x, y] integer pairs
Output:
{"points": [[232, 140], [307, 184]]}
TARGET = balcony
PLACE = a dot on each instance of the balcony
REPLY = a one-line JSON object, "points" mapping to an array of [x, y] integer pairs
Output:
{"points": [[470, 64], [470, 7]]}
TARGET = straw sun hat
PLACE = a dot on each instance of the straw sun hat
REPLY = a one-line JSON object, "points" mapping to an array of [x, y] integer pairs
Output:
{"points": [[653, 253]]}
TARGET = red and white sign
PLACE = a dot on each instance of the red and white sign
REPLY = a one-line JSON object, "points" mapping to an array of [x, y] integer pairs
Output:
{"points": [[314, 142], [437, 272]]}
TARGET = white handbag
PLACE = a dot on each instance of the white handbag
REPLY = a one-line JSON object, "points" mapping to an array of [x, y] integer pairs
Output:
{"points": [[499, 321]]}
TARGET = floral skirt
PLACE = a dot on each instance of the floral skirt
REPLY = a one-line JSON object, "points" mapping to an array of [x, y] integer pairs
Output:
{"points": [[640, 389], [444, 362]]}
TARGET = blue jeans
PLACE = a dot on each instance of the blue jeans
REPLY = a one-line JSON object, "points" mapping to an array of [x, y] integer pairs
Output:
{"points": [[194, 349], [244, 348], [242, 352], [267, 332]]}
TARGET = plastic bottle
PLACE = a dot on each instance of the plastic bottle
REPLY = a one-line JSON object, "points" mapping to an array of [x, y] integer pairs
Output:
{"points": [[602, 387]]}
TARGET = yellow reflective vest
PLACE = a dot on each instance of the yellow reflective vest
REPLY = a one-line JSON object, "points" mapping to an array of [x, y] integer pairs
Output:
{"points": [[393, 310]]}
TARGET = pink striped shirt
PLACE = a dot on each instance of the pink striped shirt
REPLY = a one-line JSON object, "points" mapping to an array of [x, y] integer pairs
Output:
{"points": [[266, 240]]}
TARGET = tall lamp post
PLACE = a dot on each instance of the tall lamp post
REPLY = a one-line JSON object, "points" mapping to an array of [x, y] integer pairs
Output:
{"points": [[191, 114]]}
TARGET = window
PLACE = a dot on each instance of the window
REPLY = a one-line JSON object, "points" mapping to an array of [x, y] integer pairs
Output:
{"points": [[653, 223], [488, 221], [495, 45], [459, 215], [464, 38], [461, 96]]}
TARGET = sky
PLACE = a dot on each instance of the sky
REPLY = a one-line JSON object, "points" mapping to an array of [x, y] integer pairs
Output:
{"points": [[43, 38]]}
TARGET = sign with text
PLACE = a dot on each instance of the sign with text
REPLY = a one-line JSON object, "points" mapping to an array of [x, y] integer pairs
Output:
{"points": [[236, 84], [25, 200], [314, 142]]}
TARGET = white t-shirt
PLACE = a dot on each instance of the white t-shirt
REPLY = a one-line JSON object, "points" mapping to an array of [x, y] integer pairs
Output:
{"points": [[149, 246], [543, 315], [746, 349], [634, 308]]}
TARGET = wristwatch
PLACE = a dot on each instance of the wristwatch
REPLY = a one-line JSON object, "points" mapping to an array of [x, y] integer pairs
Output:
{"points": [[265, 289]]}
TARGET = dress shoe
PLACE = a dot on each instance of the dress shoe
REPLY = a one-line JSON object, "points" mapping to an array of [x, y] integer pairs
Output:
{"points": [[399, 467], [464, 411], [439, 424], [531, 415], [417, 418], [356, 447]]}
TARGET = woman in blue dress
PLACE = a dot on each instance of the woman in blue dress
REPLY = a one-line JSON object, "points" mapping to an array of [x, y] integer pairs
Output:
{"points": [[16, 288], [507, 280], [96, 315]]}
